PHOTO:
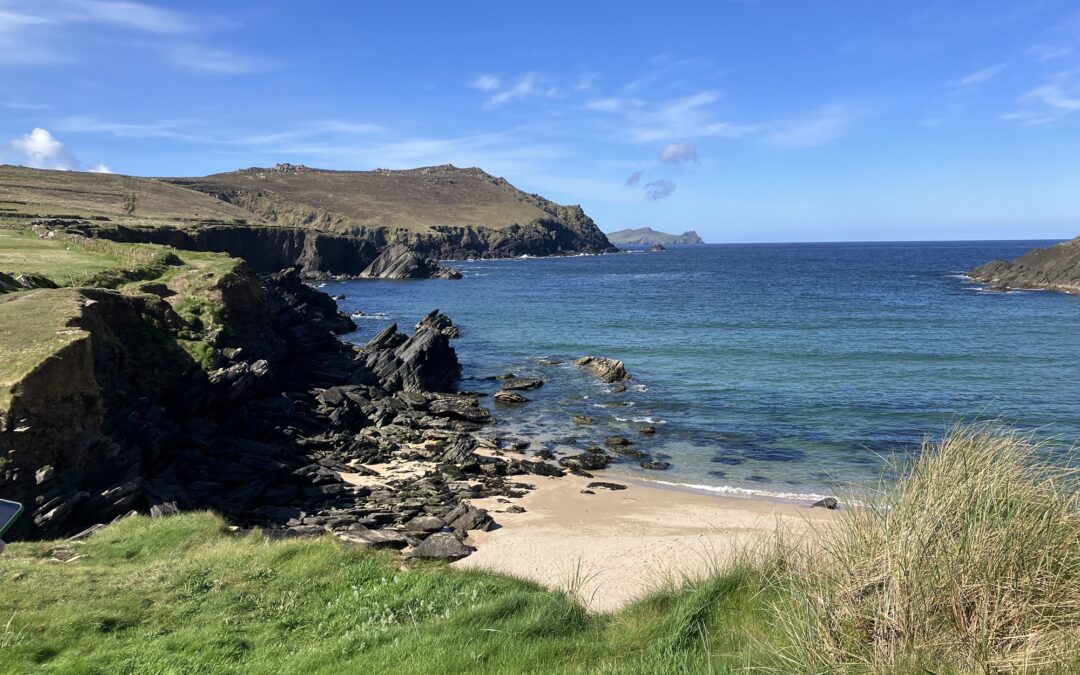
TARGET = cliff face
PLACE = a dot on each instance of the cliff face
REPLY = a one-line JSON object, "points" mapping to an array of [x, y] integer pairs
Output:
{"points": [[645, 236], [1054, 268], [327, 223]]}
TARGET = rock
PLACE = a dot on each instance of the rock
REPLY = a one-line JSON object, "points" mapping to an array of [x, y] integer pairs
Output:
{"points": [[470, 518], [583, 420], [657, 248], [608, 370], [828, 503], [460, 408], [423, 362], [588, 461], [587, 492], [164, 509], [522, 383], [515, 509], [441, 546], [504, 396], [362, 536], [606, 486], [647, 430], [398, 261], [425, 524], [656, 465], [550, 362], [436, 320], [1055, 268], [617, 441], [617, 388]]}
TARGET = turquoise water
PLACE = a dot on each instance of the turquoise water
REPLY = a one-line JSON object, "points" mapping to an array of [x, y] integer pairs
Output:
{"points": [[774, 368]]}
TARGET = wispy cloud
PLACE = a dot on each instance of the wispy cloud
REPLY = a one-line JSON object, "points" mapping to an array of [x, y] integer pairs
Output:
{"points": [[42, 33], [979, 76], [217, 61], [486, 82], [527, 86], [633, 179], [1055, 99], [819, 127]]}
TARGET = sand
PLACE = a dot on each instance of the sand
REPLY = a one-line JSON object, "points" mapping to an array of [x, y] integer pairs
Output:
{"points": [[612, 547]]}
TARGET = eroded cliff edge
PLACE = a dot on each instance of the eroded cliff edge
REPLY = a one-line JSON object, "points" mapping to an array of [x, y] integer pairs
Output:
{"points": [[1055, 268]]}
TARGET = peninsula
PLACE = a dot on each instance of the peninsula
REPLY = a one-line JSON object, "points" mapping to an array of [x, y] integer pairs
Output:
{"points": [[646, 236]]}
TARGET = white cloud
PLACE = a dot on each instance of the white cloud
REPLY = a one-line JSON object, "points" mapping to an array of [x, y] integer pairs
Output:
{"points": [[979, 76], [134, 15], [819, 127], [613, 105], [679, 153], [41, 150], [486, 82]]}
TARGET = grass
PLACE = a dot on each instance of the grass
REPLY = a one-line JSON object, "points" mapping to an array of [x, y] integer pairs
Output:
{"points": [[187, 595], [968, 563], [33, 326], [64, 263]]}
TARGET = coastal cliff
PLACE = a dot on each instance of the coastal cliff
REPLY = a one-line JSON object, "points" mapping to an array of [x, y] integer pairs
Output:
{"points": [[325, 223], [183, 380], [1055, 268]]}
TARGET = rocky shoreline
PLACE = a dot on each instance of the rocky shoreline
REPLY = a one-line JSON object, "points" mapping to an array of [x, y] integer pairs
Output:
{"points": [[1055, 268]]}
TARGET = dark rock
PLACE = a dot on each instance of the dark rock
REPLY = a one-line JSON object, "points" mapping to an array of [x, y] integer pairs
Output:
{"points": [[436, 320], [522, 383], [607, 486], [587, 461], [656, 465], [828, 503], [441, 546], [362, 536], [608, 370], [504, 396], [399, 262], [647, 430], [617, 441], [515, 509], [425, 524], [1054, 268], [460, 408], [583, 420]]}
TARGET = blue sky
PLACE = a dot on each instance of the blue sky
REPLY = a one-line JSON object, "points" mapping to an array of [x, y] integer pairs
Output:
{"points": [[747, 121]]}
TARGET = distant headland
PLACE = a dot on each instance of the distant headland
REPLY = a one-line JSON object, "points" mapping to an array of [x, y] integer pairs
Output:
{"points": [[646, 236]]}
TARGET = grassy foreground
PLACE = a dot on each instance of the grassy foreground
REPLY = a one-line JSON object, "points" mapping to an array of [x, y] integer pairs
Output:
{"points": [[970, 563]]}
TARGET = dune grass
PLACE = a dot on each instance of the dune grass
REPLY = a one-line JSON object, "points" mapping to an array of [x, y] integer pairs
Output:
{"points": [[968, 563]]}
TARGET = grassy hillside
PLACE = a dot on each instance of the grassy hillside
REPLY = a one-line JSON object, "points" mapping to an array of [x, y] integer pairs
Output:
{"points": [[413, 199], [970, 563], [125, 199]]}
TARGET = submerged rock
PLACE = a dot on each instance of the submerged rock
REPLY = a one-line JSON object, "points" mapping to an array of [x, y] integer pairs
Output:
{"points": [[608, 370]]}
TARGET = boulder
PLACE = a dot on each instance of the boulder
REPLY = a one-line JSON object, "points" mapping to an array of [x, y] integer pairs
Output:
{"points": [[423, 362], [827, 503], [599, 484], [583, 420], [362, 536], [462, 408], [588, 461], [441, 546], [522, 383], [504, 396], [608, 370]]}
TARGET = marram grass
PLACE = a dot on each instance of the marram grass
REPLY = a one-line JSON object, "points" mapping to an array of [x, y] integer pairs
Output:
{"points": [[970, 562]]}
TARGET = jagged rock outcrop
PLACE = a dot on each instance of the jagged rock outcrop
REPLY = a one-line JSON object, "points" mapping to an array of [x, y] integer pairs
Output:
{"points": [[608, 370], [1055, 268], [399, 262], [440, 322], [423, 362]]}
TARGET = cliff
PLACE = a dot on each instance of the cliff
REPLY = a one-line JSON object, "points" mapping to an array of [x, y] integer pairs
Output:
{"points": [[645, 236], [1055, 268], [327, 223], [177, 380]]}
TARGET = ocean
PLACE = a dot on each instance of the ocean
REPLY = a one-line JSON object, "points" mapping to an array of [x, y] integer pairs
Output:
{"points": [[773, 369]]}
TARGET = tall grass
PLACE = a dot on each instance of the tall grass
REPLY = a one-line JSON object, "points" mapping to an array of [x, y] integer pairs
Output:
{"points": [[969, 562]]}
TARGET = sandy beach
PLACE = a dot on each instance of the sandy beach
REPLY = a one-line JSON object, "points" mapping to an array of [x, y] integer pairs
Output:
{"points": [[613, 546]]}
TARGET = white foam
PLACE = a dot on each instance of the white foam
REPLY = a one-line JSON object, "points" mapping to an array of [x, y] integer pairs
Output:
{"points": [[378, 316], [745, 492]]}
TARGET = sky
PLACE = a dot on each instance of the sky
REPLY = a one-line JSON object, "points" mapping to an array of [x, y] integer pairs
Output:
{"points": [[749, 120]]}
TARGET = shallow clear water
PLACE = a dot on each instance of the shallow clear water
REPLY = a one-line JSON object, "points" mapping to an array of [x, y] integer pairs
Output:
{"points": [[779, 368]]}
